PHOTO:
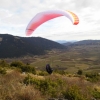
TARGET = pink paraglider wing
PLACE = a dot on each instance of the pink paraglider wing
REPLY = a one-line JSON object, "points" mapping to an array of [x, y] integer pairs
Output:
{"points": [[42, 17]]}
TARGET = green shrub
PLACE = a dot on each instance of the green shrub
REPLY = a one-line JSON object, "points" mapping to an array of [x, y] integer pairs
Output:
{"points": [[46, 86], [43, 73], [28, 80], [3, 63], [80, 72], [93, 77], [2, 71], [28, 68], [16, 64], [96, 94], [73, 93], [23, 67]]}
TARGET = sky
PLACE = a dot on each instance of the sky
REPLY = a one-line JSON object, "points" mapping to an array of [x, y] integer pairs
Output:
{"points": [[15, 15]]}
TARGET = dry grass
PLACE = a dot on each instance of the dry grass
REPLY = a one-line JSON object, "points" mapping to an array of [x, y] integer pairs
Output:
{"points": [[12, 88]]}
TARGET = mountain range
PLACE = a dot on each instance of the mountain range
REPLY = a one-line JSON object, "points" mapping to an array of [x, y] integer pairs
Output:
{"points": [[83, 42], [15, 46]]}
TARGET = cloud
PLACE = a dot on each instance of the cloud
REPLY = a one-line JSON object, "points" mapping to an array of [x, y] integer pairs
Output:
{"points": [[16, 14]]}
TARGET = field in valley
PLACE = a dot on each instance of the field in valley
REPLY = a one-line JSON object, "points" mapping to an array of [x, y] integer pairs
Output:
{"points": [[72, 59]]}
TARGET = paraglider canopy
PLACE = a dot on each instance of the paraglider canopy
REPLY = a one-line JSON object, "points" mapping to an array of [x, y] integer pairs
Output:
{"points": [[42, 17], [49, 69]]}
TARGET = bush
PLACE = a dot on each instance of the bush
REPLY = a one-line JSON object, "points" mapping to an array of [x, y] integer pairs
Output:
{"points": [[80, 72], [28, 68], [43, 73], [16, 64], [73, 93], [46, 86], [23, 67], [96, 94], [3, 63], [93, 77], [2, 71]]}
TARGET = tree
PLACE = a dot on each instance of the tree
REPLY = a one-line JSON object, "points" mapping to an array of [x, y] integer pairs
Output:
{"points": [[80, 72]]}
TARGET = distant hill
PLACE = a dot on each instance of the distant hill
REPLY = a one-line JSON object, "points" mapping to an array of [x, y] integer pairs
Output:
{"points": [[83, 42], [64, 41], [14, 46]]}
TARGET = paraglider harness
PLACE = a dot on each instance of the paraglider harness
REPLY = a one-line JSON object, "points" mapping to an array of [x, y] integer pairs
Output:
{"points": [[49, 69]]}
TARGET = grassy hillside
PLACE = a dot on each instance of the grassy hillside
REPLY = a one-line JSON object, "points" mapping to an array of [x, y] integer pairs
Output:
{"points": [[76, 75], [19, 81]]}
